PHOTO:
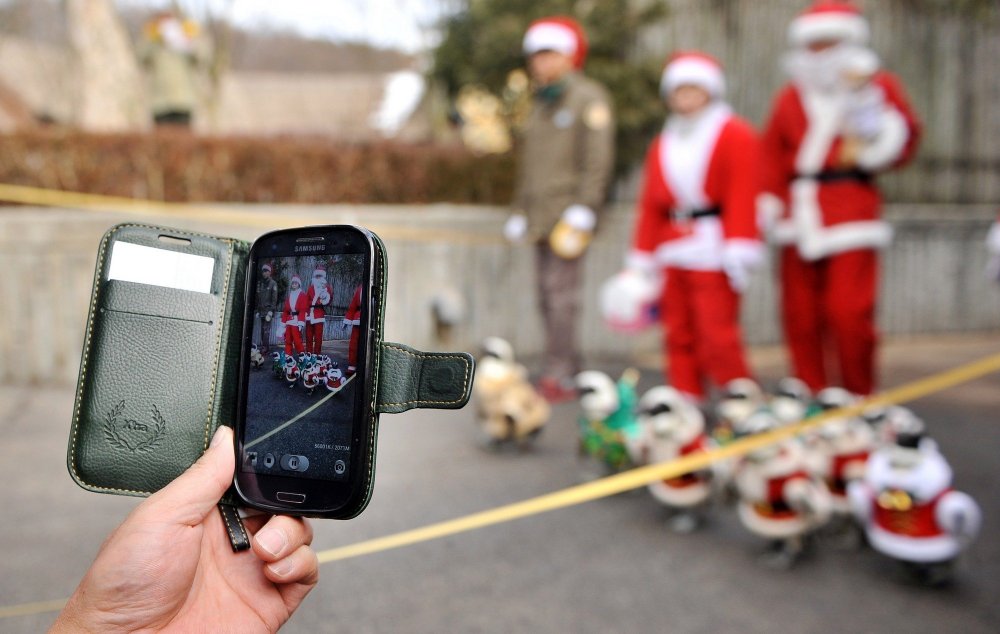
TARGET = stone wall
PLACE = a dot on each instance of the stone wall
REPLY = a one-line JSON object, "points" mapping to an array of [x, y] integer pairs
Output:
{"points": [[933, 278]]}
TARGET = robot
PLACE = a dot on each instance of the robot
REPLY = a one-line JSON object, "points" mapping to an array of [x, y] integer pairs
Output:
{"points": [[740, 399], [508, 408], [256, 358], [608, 427], [311, 376], [909, 511], [790, 400], [669, 428], [779, 499], [291, 369]]}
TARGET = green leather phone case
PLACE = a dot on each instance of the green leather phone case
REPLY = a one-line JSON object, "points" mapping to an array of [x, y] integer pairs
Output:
{"points": [[159, 367]]}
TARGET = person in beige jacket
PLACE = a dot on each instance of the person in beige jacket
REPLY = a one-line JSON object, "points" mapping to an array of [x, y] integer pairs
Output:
{"points": [[566, 162], [172, 53]]}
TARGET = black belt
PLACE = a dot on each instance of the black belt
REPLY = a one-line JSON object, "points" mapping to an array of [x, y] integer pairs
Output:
{"points": [[691, 214], [833, 176]]}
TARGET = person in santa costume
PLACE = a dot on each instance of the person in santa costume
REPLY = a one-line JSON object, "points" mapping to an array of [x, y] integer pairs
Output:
{"points": [[293, 316], [909, 510], [697, 226], [318, 296], [840, 121], [352, 319]]}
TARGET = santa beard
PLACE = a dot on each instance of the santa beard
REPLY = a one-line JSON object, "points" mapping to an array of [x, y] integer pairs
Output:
{"points": [[827, 70]]}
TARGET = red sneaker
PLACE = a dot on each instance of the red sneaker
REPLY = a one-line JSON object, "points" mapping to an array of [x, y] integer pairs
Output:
{"points": [[555, 391]]}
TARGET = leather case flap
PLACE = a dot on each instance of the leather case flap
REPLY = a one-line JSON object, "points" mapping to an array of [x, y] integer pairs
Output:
{"points": [[411, 379]]}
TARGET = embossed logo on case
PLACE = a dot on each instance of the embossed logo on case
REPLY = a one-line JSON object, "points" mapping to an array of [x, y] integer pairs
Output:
{"points": [[133, 435]]}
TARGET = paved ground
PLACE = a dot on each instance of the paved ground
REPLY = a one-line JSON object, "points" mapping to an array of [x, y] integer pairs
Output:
{"points": [[609, 565]]}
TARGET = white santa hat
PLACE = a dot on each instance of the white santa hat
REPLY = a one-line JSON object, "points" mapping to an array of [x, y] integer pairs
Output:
{"points": [[829, 20], [319, 273], [693, 68], [556, 33], [296, 278]]}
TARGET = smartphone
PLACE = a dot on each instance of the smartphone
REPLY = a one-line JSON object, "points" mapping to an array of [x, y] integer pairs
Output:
{"points": [[304, 424]]}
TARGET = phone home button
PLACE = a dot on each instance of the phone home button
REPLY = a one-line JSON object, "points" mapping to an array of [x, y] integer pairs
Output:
{"points": [[294, 498]]}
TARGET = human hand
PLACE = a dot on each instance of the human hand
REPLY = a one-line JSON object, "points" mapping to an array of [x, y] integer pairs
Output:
{"points": [[169, 565], [269, 316]]}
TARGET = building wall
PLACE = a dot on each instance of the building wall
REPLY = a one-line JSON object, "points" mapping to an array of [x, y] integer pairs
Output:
{"points": [[933, 278]]}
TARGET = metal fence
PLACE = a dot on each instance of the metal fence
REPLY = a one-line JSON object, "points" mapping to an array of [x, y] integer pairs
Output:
{"points": [[945, 51]]}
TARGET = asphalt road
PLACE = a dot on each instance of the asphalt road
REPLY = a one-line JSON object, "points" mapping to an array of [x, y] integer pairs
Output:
{"points": [[608, 565]]}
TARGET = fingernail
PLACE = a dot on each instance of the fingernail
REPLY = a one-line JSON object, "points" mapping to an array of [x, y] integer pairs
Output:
{"points": [[219, 435], [281, 568], [272, 540]]}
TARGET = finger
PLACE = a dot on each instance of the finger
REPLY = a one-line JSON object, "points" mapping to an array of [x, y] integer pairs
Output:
{"points": [[300, 566], [281, 536], [194, 493]]}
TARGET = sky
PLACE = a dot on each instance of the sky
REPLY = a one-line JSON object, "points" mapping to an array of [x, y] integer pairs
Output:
{"points": [[407, 25]]}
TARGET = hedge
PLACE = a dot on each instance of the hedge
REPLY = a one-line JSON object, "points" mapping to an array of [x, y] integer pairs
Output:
{"points": [[177, 166]]}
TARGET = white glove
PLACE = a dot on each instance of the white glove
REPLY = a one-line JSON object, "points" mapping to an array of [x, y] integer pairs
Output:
{"points": [[864, 113], [629, 298], [739, 258], [515, 228], [268, 316], [580, 217]]}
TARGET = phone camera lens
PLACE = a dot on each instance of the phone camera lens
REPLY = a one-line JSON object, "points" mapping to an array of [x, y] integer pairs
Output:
{"points": [[274, 247]]}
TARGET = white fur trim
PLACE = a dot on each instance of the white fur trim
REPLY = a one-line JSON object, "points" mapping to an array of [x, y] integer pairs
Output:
{"points": [[888, 145], [770, 208], [550, 36], [693, 71], [814, 27], [700, 251], [680, 497], [916, 549], [645, 261], [686, 148], [816, 241], [929, 478], [771, 528]]}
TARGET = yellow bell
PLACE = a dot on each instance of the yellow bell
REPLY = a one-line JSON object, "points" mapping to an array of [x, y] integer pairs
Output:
{"points": [[568, 242]]}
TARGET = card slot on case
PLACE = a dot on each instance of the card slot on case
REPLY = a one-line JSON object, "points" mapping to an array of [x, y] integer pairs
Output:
{"points": [[158, 301]]}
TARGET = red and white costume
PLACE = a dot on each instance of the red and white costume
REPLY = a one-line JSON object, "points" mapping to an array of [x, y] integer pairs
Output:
{"points": [[353, 317], [696, 221], [318, 296], [840, 453], [671, 428], [293, 316], [822, 205], [909, 510], [779, 499]]}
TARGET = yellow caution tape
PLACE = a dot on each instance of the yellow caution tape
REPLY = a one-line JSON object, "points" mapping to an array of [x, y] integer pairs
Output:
{"points": [[621, 482], [208, 213], [641, 476]]}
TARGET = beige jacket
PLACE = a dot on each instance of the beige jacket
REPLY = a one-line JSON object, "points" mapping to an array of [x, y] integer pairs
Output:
{"points": [[566, 155]]}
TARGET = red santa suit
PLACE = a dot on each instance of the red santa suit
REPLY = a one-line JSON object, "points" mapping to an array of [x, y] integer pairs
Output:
{"points": [[318, 297], [696, 220], [353, 317], [293, 315], [838, 123], [908, 509]]}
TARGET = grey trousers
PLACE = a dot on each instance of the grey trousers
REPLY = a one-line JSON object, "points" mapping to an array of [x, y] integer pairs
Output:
{"points": [[559, 290]]}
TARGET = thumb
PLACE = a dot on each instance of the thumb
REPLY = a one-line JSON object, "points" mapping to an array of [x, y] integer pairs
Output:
{"points": [[194, 493]]}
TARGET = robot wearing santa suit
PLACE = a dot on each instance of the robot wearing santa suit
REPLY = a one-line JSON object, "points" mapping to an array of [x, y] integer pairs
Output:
{"points": [[839, 122], [779, 499], [909, 511], [353, 319], [293, 316], [696, 224], [670, 428], [318, 297]]}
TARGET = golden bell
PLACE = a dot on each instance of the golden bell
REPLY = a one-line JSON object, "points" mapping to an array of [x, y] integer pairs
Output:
{"points": [[568, 242]]}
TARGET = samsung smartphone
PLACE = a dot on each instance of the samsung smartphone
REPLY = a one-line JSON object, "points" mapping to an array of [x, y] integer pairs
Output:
{"points": [[304, 415]]}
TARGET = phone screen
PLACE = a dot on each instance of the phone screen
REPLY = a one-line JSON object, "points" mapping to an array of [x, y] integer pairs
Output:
{"points": [[303, 390]]}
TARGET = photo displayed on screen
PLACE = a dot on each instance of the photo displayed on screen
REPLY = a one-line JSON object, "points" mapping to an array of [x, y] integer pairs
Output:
{"points": [[303, 360]]}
